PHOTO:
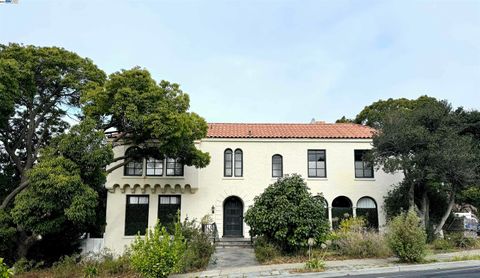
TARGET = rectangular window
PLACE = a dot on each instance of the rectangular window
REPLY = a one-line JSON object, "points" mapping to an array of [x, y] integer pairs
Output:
{"points": [[174, 167], [154, 167], [134, 168], [136, 215], [168, 207], [363, 168], [317, 164]]}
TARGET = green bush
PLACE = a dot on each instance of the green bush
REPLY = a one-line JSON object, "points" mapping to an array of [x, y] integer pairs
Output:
{"points": [[5, 271], [264, 250], [67, 266], [459, 240], [90, 271], [353, 239], [23, 265], [442, 244], [286, 214], [199, 248], [158, 254], [115, 266], [315, 264], [407, 238]]}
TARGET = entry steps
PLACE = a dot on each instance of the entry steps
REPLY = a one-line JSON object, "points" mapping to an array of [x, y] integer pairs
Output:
{"points": [[234, 242]]}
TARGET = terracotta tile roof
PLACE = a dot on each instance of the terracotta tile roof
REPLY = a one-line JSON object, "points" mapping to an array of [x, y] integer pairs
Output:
{"points": [[312, 130]]}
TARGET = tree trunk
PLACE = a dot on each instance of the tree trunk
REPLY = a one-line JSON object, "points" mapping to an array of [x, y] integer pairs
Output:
{"points": [[24, 242], [424, 209], [411, 196], [451, 203]]}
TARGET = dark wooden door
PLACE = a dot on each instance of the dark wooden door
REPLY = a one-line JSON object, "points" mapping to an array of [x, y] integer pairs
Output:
{"points": [[233, 217]]}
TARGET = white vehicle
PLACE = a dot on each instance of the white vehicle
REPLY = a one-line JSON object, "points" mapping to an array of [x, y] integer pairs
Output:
{"points": [[468, 220]]}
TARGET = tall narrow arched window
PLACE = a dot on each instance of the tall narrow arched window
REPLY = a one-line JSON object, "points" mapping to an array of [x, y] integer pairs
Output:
{"points": [[277, 166], [135, 166], [228, 163], [238, 165]]}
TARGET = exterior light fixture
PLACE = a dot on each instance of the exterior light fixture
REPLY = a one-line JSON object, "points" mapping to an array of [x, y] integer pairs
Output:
{"points": [[213, 209]]}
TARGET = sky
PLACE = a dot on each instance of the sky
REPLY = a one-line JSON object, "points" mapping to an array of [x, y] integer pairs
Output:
{"points": [[271, 61]]}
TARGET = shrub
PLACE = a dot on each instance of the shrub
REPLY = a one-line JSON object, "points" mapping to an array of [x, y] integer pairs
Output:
{"points": [[90, 271], [442, 244], [199, 249], [286, 214], [158, 255], [115, 266], [264, 250], [315, 264], [353, 239], [23, 265], [459, 240], [67, 266], [406, 237], [5, 271]]}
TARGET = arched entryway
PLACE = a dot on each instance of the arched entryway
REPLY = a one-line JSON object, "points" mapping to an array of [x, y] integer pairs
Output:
{"points": [[367, 208], [341, 209], [233, 217]]}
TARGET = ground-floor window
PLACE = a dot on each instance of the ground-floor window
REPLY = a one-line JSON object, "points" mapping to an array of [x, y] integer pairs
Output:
{"points": [[168, 207], [367, 208], [136, 215], [341, 209]]}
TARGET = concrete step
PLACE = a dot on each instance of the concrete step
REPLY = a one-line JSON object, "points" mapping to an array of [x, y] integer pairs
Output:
{"points": [[234, 242]]}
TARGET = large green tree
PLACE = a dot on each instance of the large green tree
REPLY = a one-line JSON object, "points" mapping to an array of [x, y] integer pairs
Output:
{"points": [[57, 193], [428, 145], [37, 87]]}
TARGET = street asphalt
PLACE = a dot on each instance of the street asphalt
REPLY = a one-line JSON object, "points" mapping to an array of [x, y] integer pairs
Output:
{"points": [[467, 272]]}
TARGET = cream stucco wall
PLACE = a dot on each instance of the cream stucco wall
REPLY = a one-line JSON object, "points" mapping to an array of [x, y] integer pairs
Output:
{"points": [[200, 189]]}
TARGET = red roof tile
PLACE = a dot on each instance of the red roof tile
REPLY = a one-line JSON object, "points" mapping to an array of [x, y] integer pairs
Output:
{"points": [[313, 130]]}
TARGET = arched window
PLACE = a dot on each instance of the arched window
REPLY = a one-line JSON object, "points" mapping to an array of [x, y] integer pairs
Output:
{"points": [[367, 208], [277, 166], [341, 209], [228, 163], [134, 167], [238, 165]]}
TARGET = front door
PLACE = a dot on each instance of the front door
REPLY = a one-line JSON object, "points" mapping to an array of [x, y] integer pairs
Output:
{"points": [[233, 217]]}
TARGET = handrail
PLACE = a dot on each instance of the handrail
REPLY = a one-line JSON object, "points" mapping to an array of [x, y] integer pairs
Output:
{"points": [[211, 231]]}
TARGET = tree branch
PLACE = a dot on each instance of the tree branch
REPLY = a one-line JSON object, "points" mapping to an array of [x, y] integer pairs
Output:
{"points": [[14, 193], [119, 165]]}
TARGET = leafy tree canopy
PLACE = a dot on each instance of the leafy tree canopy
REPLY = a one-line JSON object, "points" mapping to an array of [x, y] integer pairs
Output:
{"points": [[154, 117]]}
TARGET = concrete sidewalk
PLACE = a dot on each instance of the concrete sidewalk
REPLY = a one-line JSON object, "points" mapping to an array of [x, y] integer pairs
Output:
{"points": [[339, 268]]}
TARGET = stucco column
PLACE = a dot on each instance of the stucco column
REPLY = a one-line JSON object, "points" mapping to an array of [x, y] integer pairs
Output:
{"points": [[354, 211], [330, 217]]}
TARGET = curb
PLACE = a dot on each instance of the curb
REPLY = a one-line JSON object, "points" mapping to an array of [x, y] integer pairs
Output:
{"points": [[393, 269]]}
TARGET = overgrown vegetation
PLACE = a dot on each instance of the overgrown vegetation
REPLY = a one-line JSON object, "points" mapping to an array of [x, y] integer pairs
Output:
{"points": [[157, 255], [286, 215], [406, 237], [355, 240]]}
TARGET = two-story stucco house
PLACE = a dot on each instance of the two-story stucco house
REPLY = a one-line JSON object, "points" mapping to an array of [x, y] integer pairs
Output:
{"points": [[245, 159]]}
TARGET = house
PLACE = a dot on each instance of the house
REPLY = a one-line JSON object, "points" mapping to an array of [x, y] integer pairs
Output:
{"points": [[245, 159]]}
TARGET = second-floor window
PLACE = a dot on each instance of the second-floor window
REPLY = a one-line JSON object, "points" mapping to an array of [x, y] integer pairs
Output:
{"points": [[154, 167], [363, 167], [277, 166], [317, 164], [227, 163], [174, 167], [238, 165], [134, 167]]}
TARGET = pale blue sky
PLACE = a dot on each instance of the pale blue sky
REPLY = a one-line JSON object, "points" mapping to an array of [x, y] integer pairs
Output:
{"points": [[271, 61]]}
